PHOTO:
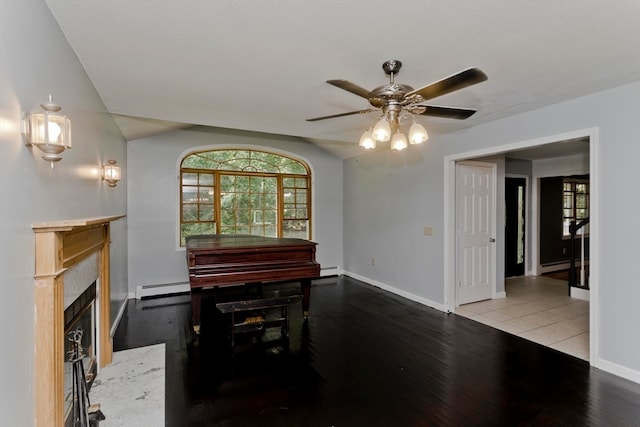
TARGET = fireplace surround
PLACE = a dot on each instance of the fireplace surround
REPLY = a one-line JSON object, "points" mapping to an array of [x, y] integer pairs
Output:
{"points": [[60, 246]]}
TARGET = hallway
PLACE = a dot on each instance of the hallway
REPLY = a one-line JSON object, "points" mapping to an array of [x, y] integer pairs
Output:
{"points": [[537, 308]]}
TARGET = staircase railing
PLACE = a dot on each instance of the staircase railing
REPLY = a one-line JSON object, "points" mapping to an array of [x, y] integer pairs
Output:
{"points": [[573, 230]]}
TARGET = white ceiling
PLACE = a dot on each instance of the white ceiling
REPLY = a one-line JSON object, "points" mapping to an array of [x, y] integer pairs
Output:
{"points": [[262, 65]]}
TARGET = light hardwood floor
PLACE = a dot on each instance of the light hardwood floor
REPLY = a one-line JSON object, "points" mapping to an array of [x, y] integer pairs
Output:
{"points": [[537, 308]]}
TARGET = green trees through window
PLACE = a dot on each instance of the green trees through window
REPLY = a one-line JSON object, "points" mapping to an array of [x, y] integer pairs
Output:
{"points": [[244, 192]]}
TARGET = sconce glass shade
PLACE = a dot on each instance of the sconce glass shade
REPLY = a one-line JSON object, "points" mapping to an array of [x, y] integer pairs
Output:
{"points": [[382, 130], [111, 173], [367, 141], [48, 131], [399, 141], [417, 134]]}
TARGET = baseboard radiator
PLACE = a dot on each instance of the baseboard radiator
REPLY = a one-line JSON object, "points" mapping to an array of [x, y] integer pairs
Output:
{"points": [[145, 291]]}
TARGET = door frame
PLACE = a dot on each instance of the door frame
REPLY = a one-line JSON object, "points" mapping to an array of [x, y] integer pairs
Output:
{"points": [[449, 242]]}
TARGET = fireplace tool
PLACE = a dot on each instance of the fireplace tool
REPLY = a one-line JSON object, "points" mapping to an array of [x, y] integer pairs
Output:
{"points": [[83, 413]]}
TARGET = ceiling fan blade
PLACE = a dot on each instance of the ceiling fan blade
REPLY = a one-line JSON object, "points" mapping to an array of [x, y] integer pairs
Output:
{"points": [[446, 112], [315, 119], [351, 87], [449, 84]]}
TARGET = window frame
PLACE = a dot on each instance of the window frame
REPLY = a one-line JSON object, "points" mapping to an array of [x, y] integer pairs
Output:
{"points": [[566, 220], [250, 171]]}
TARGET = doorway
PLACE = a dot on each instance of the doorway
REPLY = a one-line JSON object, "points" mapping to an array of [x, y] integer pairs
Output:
{"points": [[554, 149], [515, 190]]}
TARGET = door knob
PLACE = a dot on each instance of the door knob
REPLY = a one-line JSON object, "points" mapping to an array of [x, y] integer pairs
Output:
{"points": [[491, 240]]}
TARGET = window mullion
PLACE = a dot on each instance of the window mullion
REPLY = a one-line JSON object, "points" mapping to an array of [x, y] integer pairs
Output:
{"points": [[280, 205], [217, 201]]}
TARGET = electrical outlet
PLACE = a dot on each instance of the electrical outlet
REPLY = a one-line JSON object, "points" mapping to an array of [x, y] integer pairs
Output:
{"points": [[428, 231], [373, 261]]}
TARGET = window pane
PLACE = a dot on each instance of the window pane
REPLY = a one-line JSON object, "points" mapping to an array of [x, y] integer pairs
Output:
{"points": [[189, 212], [289, 197], [295, 229], [206, 212], [195, 229], [243, 230], [568, 201], [270, 231], [189, 194], [189, 178], [206, 179], [205, 195], [581, 201]]}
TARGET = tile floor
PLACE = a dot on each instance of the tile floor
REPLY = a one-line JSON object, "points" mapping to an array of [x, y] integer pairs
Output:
{"points": [[537, 308]]}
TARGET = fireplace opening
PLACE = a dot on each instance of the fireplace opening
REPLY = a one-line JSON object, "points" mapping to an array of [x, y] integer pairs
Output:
{"points": [[80, 315]]}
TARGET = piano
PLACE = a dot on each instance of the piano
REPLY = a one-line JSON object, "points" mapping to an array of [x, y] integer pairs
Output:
{"points": [[231, 260]]}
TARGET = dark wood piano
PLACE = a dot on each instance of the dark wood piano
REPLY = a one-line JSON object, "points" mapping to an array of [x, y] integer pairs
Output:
{"points": [[231, 260]]}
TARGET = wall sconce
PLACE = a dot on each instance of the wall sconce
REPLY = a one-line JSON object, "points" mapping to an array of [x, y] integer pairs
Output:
{"points": [[48, 131], [111, 173]]}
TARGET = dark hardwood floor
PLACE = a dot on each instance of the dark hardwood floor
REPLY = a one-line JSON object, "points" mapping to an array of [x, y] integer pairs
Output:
{"points": [[366, 357]]}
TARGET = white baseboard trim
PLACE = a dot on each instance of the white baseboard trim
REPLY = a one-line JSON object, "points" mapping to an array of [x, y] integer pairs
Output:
{"points": [[330, 271], [114, 325], [550, 268], [144, 291], [615, 369], [400, 292], [502, 294], [579, 293]]}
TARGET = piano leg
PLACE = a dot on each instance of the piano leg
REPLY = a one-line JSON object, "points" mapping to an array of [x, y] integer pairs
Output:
{"points": [[196, 303], [306, 296]]}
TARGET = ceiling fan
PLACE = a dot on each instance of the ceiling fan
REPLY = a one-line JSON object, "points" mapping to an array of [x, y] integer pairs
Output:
{"points": [[397, 101]]}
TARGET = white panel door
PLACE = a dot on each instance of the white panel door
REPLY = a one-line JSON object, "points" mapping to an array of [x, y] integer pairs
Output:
{"points": [[475, 247]]}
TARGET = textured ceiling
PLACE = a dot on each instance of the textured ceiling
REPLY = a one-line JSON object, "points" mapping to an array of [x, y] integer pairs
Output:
{"points": [[262, 65]]}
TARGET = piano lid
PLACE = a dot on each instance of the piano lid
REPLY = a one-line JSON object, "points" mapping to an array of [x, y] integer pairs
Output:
{"points": [[214, 241]]}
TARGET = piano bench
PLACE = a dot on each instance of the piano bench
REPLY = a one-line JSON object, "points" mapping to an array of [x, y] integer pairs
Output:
{"points": [[257, 319]]}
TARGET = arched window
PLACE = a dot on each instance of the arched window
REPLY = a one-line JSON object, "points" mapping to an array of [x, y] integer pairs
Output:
{"points": [[235, 191]]}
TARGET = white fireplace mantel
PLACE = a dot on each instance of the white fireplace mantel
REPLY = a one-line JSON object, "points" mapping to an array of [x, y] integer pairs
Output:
{"points": [[61, 245]]}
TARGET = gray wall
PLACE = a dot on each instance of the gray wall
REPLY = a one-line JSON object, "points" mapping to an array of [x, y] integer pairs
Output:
{"points": [[153, 162], [389, 198], [36, 60]]}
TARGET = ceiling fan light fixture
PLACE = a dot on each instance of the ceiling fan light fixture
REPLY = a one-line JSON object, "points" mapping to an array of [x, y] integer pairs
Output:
{"points": [[399, 141], [417, 134], [366, 141], [398, 104], [382, 130]]}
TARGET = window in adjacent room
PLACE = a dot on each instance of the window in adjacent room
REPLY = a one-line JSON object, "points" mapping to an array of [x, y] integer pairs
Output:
{"points": [[244, 192], [575, 204]]}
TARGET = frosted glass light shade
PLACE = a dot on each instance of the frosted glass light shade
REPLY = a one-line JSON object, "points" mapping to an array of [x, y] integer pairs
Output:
{"points": [[398, 142], [367, 141], [417, 134], [382, 130]]}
